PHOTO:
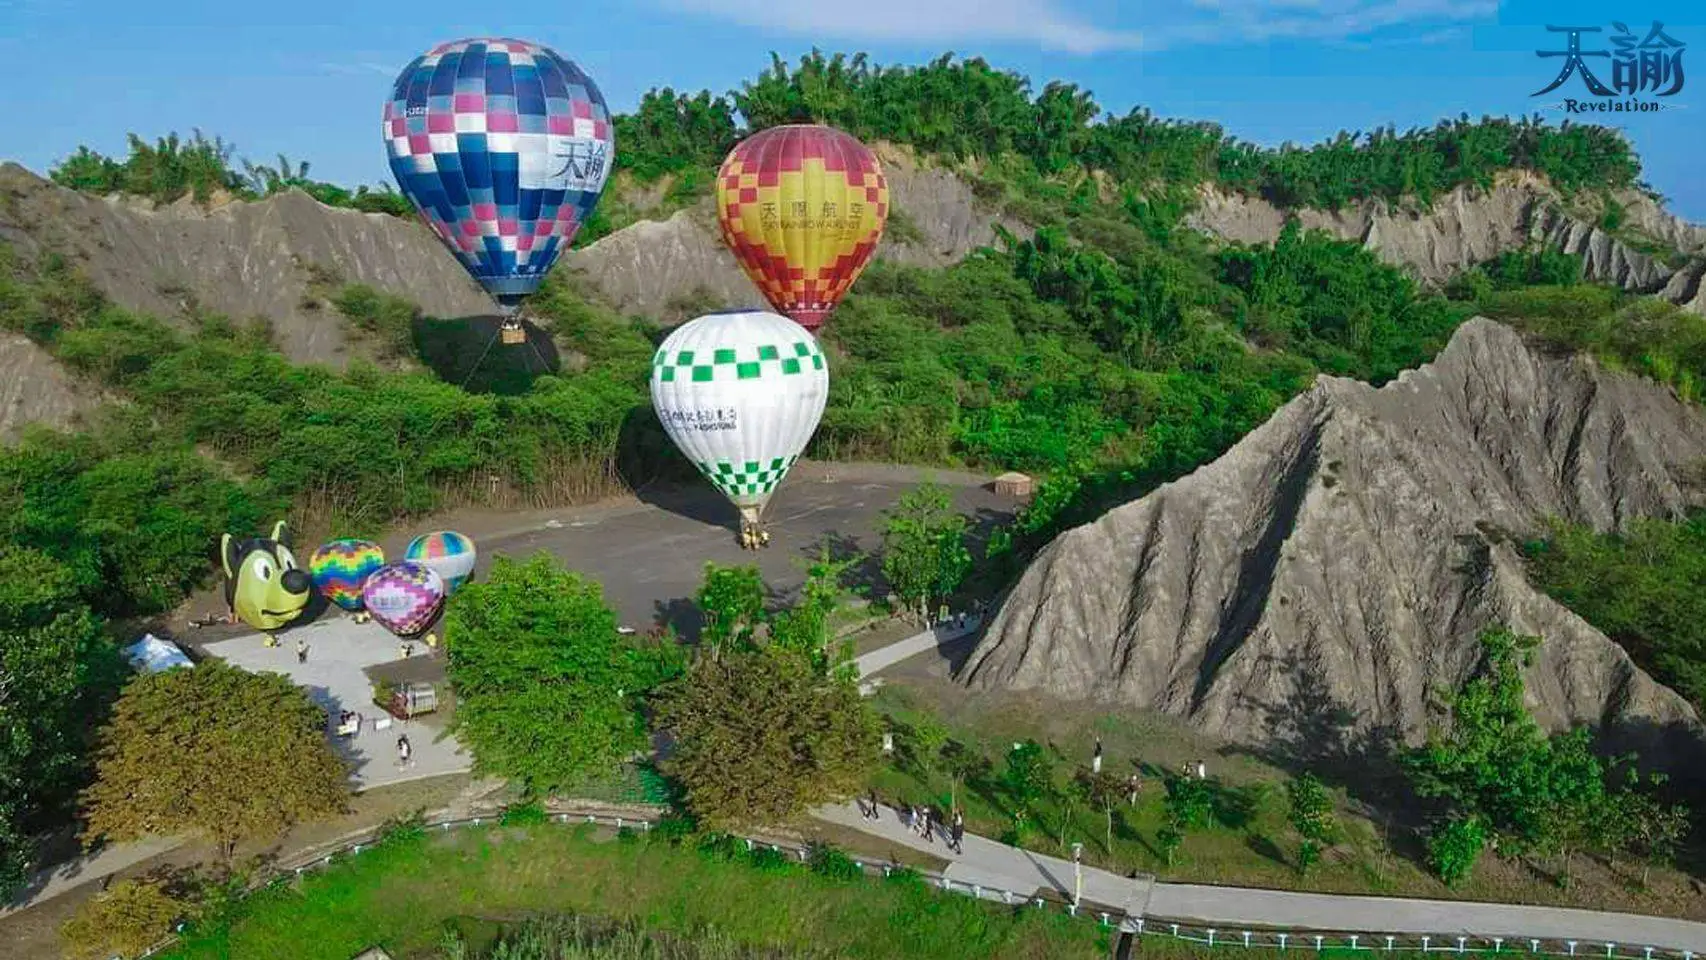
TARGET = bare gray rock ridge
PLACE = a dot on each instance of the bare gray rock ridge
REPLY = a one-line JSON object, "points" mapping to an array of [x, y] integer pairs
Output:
{"points": [[34, 388], [1466, 227], [1326, 579], [272, 258]]}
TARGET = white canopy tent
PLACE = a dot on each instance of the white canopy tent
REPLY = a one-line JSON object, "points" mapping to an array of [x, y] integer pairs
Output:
{"points": [[155, 655]]}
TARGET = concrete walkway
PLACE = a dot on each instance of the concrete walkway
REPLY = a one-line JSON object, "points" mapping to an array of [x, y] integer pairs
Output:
{"points": [[995, 865], [912, 646], [103, 863]]}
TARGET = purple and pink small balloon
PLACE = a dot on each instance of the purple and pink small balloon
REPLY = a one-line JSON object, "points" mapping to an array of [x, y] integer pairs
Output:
{"points": [[404, 597]]}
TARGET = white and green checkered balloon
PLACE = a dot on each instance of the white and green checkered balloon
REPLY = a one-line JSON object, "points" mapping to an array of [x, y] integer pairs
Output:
{"points": [[740, 393]]}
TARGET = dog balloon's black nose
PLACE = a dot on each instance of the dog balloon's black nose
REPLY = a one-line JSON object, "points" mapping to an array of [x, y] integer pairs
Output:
{"points": [[295, 581]]}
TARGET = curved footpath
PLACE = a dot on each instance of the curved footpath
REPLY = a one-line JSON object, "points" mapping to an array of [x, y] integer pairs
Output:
{"points": [[993, 865]]}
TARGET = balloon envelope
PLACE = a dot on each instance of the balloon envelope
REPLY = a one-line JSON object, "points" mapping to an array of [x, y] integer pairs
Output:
{"points": [[504, 147], [802, 207], [741, 393], [404, 597], [340, 569], [448, 553]]}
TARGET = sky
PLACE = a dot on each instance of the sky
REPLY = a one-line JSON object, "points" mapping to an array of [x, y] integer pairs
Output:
{"points": [[307, 78]]}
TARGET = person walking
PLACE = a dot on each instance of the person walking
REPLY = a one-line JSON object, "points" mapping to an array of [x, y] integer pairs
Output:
{"points": [[301, 651], [1096, 757], [873, 804], [929, 824], [1202, 770], [403, 750], [1131, 787], [909, 814], [959, 831]]}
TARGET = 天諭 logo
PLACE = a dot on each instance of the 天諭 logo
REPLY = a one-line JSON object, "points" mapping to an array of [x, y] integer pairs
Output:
{"points": [[1641, 69]]}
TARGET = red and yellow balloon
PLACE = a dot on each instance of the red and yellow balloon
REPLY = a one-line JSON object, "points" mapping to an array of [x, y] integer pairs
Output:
{"points": [[802, 206]]}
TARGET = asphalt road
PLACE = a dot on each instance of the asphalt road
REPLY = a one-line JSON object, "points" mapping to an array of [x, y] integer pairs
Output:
{"points": [[651, 556]]}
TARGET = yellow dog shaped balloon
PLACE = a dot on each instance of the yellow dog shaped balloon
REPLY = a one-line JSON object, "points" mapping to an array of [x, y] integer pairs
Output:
{"points": [[263, 585]]}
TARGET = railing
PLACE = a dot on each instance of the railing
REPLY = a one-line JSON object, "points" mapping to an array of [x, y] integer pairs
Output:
{"points": [[1131, 929]]}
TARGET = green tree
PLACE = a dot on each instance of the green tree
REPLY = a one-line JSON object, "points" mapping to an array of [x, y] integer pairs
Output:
{"points": [[760, 736], [926, 737], [57, 673], [1169, 838], [125, 919], [924, 552], [1310, 810], [805, 627], [1028, 776], [1453, 848], [213, 750], [731, 600], [964, 764], [1495, 766], [547, 692], [1101, 790], [1634, 820]]}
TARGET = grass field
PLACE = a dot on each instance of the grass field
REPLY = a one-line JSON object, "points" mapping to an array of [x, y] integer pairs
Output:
{"points": [[407, 893], [1250, 843]]}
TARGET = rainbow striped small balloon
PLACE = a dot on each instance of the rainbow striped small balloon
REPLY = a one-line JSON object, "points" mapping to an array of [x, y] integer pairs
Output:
{"points": [[449, 553], [404, 597], [339, 569]]}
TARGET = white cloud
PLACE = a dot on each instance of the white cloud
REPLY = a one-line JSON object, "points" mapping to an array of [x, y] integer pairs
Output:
{"points": [[938, 21], [1256, 21]]}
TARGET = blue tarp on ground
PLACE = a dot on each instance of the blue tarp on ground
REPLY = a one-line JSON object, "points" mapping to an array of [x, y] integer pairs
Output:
{"points": [[154, 654]]}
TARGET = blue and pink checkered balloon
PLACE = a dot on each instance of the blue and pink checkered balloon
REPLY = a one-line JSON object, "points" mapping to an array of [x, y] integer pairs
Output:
{"points": [[504, 147]]}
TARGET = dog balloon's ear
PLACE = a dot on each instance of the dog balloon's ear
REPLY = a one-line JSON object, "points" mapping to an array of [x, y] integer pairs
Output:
{"points": [[228, 556], [281, 533]]}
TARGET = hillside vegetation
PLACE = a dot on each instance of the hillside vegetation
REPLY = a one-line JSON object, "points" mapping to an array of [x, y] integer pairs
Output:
{"points": [[1114, 350]]}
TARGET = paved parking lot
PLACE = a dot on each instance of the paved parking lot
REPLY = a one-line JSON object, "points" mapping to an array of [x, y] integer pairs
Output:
{"points": [[339, 651]]}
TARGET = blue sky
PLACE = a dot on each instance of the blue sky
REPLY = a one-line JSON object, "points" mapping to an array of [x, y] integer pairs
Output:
{"points": [[307, 77]]}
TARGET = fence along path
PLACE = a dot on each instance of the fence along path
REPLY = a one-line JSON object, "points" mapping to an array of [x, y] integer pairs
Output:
{"points": [[1232, 918]]}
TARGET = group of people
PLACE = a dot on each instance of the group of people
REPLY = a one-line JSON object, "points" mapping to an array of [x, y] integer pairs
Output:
{"points": [[925, 821]]}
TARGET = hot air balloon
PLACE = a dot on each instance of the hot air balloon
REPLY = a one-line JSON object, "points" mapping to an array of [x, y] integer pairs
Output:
{"points": [[503, 146], [341, 567], [802, 206], [740, 392], [448, 553], [403, 597]]}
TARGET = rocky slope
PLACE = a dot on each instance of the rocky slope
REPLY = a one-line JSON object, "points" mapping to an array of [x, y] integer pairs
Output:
{"points": [[646, 267], [271, 258], [34, 388], [1326, 579], [1466, 227]]}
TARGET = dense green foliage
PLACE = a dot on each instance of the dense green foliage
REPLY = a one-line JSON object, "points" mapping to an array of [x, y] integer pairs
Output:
{"points": [[760, 735], [172, 167], [1641, 587], [1495, 773], [57, 669], [548, 694], [125, 920], [213, 750], [924, 550], [966, 109], [1310, 811]]}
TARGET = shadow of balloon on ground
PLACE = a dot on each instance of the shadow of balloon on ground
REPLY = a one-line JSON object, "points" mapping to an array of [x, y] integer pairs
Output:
{"points": [[469, 352]]}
